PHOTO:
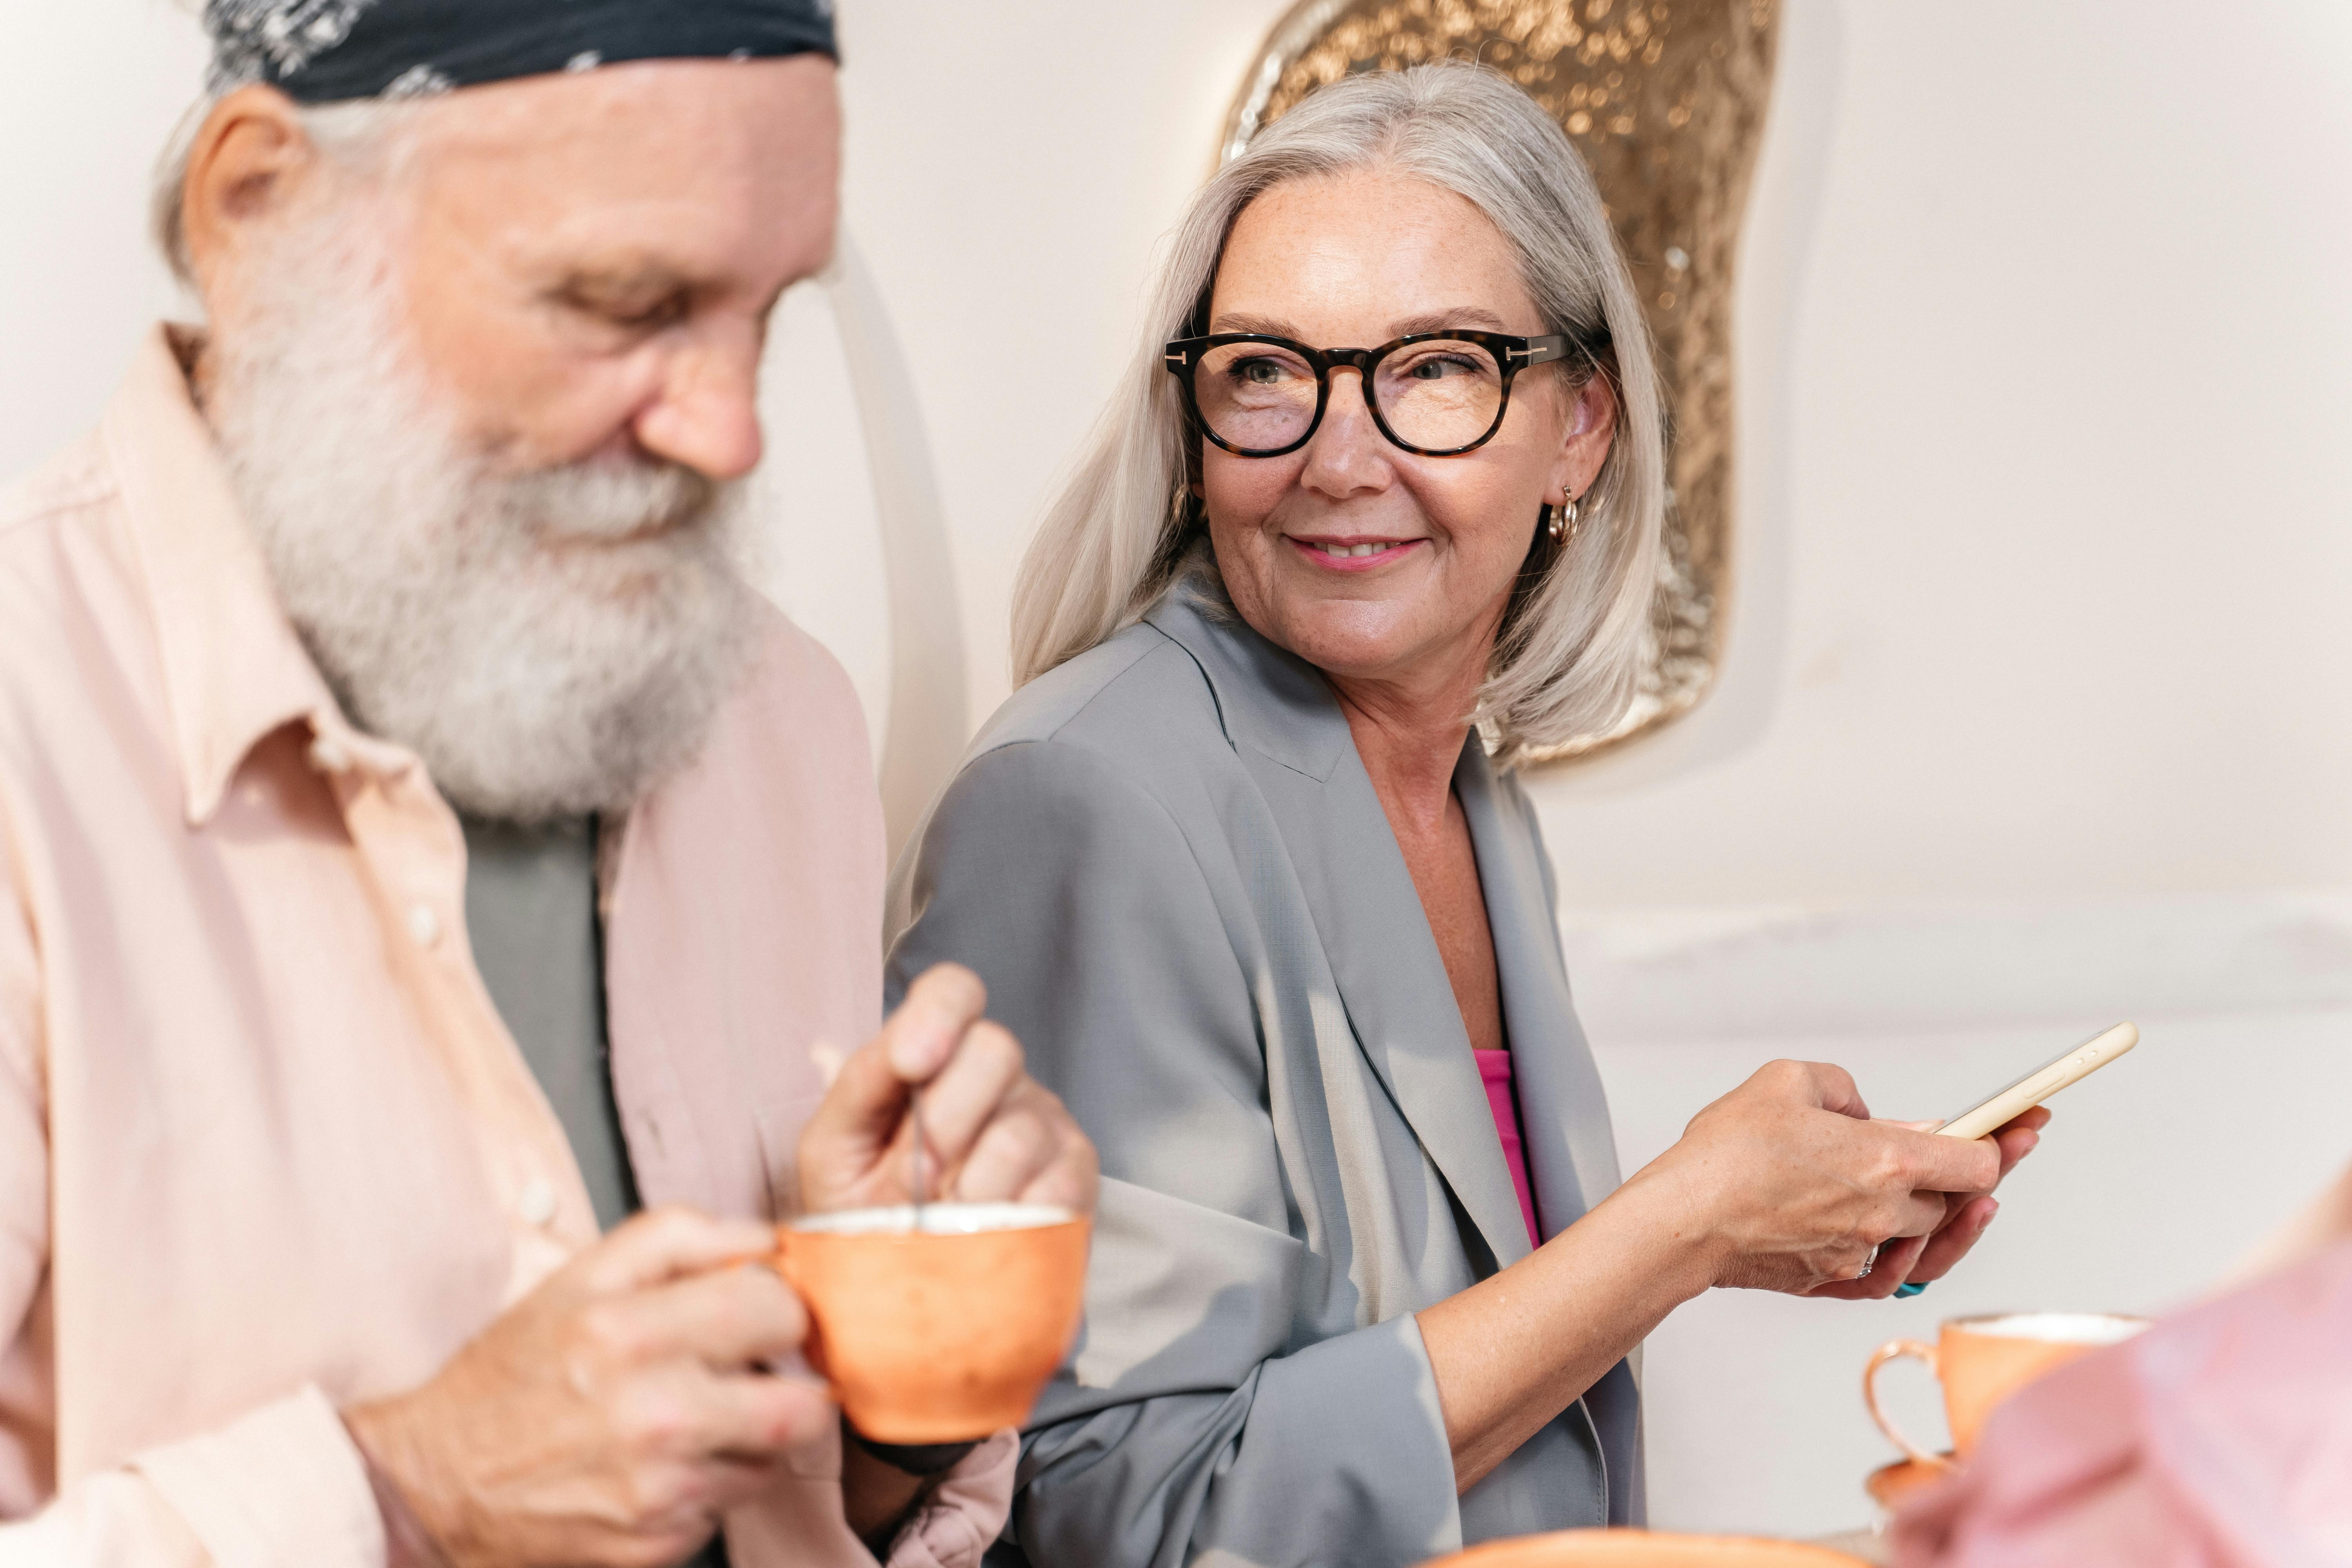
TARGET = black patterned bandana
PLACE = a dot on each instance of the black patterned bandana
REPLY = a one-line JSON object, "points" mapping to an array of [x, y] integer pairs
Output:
{"points": [[330, 51]]}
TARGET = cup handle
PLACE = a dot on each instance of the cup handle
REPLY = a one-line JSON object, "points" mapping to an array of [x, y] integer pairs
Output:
{"points": [[1896, 1349]]}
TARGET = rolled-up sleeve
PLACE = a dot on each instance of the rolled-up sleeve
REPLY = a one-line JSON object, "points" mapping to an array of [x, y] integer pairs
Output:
{"points": [[1196, 1422], [1334, 1454], [280, 1486]]}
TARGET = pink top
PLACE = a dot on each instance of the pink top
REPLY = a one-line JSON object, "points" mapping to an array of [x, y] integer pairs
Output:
{"points": [[1494, 1068], [265, 1146], [2220, 1439]]}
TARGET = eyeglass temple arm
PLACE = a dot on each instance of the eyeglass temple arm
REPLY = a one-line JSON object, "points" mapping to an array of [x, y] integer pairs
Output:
{"points": [[1540, 351]]}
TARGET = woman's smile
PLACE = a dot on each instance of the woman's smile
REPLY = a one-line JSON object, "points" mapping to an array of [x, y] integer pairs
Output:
{"points": [[1333, 552]]}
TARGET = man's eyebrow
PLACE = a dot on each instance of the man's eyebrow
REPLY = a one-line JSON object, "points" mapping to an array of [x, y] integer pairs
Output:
{"points": [[625, 280]]}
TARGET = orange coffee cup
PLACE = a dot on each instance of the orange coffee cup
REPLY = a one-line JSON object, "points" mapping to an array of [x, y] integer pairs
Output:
{"points": [[1643, 1548], [1982, 1361], [942, 1334]]}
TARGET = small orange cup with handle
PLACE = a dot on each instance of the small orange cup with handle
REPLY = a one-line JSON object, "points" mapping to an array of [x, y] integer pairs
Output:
{"points": [[1982, 1361], [939, 1325]]}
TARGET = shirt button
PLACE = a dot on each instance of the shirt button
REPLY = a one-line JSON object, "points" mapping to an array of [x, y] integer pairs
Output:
{"points": [[537, 1202], [329, 756], [424, 925]]}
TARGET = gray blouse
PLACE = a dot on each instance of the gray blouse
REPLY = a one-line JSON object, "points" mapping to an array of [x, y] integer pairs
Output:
{"points": [[1168, 863]]}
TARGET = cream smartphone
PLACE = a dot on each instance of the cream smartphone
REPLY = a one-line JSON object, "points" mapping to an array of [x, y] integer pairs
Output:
{"points": [[2041, 1083]]}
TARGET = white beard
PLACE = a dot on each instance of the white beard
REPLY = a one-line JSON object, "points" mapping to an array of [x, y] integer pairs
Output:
{"points": [[508, 628]]}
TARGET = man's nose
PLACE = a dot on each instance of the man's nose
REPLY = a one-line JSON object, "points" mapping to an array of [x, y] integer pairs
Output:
{"points": [[706, 416]]}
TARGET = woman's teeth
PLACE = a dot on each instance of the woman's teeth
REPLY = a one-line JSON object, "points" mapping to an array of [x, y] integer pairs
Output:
{"points": [[1349, 550]]}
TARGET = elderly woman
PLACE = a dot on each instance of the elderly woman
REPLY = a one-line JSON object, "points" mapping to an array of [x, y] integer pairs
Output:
{"points": [[1244, 865]]}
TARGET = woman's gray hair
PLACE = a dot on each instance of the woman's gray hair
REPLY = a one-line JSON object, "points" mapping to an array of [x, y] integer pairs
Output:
{"points": [[1574, 640], [356, 134]]}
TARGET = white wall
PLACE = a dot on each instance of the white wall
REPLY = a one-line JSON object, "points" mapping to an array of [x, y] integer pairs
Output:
{"points": [[94, 89], [2055, 418], [2036, 713]]}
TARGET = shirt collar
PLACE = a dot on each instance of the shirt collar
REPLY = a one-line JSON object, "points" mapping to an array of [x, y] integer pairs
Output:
{"points": [[233, 670]]}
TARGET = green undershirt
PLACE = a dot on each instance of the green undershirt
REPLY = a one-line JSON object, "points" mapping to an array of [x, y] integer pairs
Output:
{"points": [[539, 944]]}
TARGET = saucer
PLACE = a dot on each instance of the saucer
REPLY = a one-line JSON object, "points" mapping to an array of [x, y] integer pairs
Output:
{"points": [[1891, 1486]]}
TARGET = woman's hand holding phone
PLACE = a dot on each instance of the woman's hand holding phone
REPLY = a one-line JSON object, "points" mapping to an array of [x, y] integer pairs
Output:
{"points": [[2012, 1117], [1918, 1260], [1790, 1186]]}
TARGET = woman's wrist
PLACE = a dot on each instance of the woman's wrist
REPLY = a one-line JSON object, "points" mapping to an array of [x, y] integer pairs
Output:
{"points": [[1513, 1351], [1677, 1230]]}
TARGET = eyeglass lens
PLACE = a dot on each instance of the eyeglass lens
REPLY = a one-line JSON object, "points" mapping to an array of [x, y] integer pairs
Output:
{"points": [[1437, 394]]}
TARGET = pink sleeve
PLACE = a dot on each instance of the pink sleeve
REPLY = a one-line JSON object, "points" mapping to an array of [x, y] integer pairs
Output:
{"points": [[965, 1513], [2058, 1478], [2220, 1439], [24, 1462], [111, 1520], [280, 1487]]}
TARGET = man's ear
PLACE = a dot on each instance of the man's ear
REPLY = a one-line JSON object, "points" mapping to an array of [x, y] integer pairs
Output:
{"points": [[247, 163]]}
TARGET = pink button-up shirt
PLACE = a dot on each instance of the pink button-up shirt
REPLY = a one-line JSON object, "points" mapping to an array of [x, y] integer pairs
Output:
{"points": [[266, 1147]]}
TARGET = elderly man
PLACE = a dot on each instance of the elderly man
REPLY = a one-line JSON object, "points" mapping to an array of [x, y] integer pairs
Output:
{"points": [[419, 850]]}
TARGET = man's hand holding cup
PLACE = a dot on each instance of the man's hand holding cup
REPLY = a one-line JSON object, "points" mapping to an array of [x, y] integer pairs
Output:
{"points": [[614, 1413]]}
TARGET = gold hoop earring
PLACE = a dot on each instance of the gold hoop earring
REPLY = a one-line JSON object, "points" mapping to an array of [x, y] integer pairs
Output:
{"points": [[1563, 519]]}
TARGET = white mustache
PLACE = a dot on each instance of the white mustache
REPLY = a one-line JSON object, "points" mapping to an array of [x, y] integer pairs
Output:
{"points": [[603, 499]]}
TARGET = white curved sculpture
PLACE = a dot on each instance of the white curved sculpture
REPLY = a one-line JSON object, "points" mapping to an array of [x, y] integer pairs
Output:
{"points": [[928, 718]]}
